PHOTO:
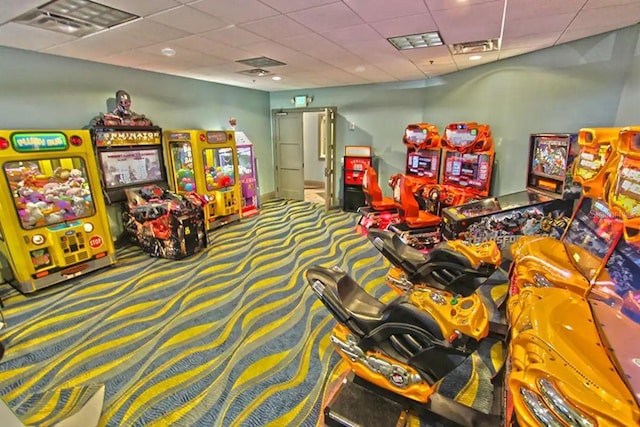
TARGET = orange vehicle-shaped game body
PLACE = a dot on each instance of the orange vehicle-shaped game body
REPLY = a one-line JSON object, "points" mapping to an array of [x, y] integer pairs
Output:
{"points": [[573, 353], [597, 159], [206, 163], [55, 225]]}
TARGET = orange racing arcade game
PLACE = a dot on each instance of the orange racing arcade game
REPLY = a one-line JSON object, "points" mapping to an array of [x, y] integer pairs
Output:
{"points": [[205, 162], [543, 209], [422, 162], [591, 334], [55, 225]]}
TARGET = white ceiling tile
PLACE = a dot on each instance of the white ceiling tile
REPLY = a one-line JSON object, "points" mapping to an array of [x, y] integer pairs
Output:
{"points": [[509, 53], [592, 4], [31, 38], [463, 61], [188, 19], [130, 58], [286, 6], [536, 25], [141, 7], [276, 27], [440, 55], [235, 11], [618, 16], [183, 58], [453, 4], [470, 33], [378, 10], [531, 41], [151, 30], [326, 18], [414, 24], [206, 46], [353, 34], [438, 70], [233, 36], [527, 9], [309, 41], [10, 9]]}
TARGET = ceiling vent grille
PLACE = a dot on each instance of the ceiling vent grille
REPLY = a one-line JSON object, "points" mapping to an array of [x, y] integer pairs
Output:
{"points": [[261, 62], [74, 17], [255, 72], [475, 47]]}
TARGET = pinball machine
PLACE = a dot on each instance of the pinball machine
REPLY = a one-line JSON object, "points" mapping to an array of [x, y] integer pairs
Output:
{"points": [[55, 225], [595, 315], [544, 208]]}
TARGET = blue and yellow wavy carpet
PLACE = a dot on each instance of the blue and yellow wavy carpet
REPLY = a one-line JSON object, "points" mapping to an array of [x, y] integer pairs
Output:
{"points": [[229, 337]]}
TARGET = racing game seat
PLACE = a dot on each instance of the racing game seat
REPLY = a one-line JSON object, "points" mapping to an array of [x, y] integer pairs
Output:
{"points": [[442, 268], [410, 211], [373, 192]]}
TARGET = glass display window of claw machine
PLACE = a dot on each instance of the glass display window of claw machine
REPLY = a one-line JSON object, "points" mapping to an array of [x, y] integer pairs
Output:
{"points": [[247, 168]]}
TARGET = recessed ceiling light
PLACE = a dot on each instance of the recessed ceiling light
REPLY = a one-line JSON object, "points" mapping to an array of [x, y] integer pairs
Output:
{"points": [[276, 78], [360, 69], [167, 51], [416, 41], [475, 57]]}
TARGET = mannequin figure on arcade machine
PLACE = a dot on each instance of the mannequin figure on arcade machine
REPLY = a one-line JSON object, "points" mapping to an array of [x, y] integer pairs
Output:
{"points": [[121, 115]]}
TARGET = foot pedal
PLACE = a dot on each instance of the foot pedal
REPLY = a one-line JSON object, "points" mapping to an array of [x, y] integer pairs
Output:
{"points": [[353, 406]]}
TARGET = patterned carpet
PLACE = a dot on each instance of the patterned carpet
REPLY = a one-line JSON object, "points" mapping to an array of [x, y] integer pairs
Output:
{"points": [[229, 337]]}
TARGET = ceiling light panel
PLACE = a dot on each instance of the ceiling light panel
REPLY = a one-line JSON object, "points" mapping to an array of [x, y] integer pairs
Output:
{"points": [[416, 41], [88, 11]]}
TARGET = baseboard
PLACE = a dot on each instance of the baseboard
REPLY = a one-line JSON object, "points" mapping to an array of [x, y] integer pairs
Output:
{"points": [[318, 184], [267, 196]]}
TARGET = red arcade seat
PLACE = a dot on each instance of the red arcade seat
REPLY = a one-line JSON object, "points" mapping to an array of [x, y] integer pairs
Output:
{"points": [[373, 192], [410, 211]]}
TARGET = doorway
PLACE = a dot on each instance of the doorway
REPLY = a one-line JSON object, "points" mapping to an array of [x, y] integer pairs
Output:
{"points": [[304, 142]]}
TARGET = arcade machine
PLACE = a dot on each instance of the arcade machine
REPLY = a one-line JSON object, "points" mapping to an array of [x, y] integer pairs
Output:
{"points": [[130, 157], [356, 160], [598, 157], [206, 162], [422, 161], [544, 208], [55, 225], [606, 312], [248, 169]]}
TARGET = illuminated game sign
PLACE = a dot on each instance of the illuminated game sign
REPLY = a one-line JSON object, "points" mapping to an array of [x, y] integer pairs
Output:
{"points": [[461, 135], [179, 136], [627, 191], [467, 170], [423, 163], [217, 137], [127, 137], [591, 162], [27, 142]]}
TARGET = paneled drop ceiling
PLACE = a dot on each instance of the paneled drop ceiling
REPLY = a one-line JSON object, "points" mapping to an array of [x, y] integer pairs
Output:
{"points": [[322, 42]]}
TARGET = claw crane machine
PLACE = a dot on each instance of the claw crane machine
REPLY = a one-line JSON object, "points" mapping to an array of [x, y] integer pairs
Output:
{"points": [[54, 224], [248, 170], [205, 163]]}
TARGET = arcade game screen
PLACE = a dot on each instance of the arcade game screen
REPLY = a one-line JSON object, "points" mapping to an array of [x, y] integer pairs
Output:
{"points": [[49, 192], [131, 167], [183, 160], [550, 157], [467, 170], [423, 163], [218, 167]]}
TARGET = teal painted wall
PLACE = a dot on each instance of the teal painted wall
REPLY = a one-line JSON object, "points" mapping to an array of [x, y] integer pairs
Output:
{"points": [[629, 109], [559, 89]]}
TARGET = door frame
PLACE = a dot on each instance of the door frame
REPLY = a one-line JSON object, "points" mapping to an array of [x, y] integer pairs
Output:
{"points": [[332, 172]]}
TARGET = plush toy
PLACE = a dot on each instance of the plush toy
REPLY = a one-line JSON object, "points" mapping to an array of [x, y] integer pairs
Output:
{"points": [[75, 178], [61, 174], [34, 213]]}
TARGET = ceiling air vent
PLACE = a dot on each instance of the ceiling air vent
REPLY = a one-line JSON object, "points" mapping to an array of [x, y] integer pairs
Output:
{"points": [[255, 72], [261, 62], [74, 17], [475, 47]]}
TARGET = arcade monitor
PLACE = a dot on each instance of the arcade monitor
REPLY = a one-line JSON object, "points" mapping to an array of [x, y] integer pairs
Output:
{"points": [[423, 152]]}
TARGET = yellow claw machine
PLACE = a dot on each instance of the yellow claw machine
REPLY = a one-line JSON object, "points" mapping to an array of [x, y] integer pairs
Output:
{"points": [[54, 225], [205, 162]]}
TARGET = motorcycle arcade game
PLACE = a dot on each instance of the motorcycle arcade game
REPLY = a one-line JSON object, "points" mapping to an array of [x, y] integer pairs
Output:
{"points": [[248, 170], [205, 162], [131, 160], [544, 208], [54, 225], [419, 221], [593, 297]]}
